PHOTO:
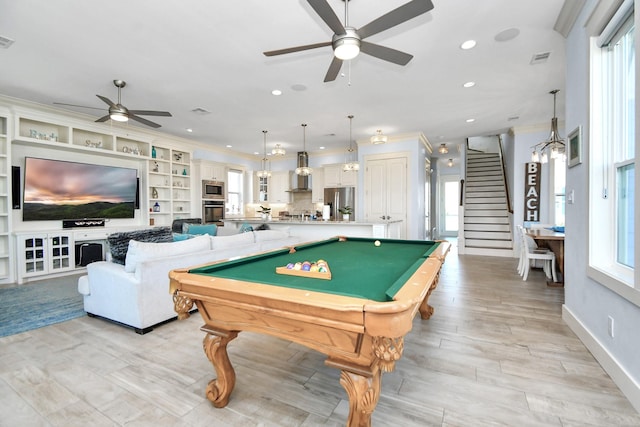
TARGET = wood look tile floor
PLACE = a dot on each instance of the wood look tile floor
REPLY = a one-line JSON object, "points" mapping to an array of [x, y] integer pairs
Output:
{"points": [[495, 353]]}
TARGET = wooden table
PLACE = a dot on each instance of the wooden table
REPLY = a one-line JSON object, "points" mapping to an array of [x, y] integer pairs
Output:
{"points": [[553, 240], [358, 318]]}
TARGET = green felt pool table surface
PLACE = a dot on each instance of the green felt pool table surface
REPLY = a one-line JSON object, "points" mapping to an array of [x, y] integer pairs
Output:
{"points": [[359, 268]]}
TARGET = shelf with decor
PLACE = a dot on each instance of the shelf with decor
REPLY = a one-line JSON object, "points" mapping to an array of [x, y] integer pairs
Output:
{"points": [[49, 133], [169, 184], [5, 185]]}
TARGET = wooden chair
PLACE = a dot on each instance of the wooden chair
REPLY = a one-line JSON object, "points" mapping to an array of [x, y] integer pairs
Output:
{"points": [[531, 252]]}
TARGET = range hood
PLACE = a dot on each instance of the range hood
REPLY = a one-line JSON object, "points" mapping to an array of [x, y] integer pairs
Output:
{"points": [[302, 181]]}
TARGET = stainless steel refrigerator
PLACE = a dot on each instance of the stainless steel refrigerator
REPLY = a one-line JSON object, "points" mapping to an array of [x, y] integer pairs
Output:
{"points": [[340, 197]]}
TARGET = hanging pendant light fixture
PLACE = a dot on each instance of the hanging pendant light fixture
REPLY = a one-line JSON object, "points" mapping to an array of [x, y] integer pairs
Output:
{"points": [[351, 164], [278, 150], [450, 163], [265, 172], [304, 170], [554, 147], [378, 138], [443, 149]]}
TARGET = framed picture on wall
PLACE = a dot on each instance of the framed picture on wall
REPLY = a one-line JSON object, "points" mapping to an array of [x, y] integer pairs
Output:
{"points": [[574, 145]]}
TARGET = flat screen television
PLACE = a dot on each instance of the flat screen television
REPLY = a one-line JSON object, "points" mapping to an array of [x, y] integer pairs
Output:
{"points": [[58, 189]]}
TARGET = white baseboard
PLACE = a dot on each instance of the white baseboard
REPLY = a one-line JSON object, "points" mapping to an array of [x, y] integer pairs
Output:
{"points": [[618, 374]]}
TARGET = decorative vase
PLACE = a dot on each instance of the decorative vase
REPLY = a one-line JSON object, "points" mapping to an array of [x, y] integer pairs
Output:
{"points": [[156, 207], [153, 152], [154, 193]]}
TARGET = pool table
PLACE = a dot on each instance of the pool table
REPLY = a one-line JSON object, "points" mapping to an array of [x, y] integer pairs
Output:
{"points": [[358, 318]]}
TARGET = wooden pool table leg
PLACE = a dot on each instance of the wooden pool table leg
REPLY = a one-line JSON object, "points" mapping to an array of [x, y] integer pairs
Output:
{"points": [[426, 311], [363, 392], [215, 347]]}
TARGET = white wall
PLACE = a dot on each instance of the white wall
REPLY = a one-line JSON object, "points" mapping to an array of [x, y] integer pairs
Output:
{"points": [[587, 302]]}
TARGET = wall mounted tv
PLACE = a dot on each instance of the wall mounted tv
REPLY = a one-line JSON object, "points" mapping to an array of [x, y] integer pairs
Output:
{"points": [[57, 190]]}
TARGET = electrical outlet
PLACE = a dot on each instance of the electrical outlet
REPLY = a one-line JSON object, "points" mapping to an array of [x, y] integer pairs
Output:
{"points": [[610, 327]]}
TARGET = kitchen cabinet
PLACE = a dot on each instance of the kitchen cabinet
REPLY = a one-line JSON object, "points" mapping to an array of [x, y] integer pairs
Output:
{"points": [[334, 176], [317, 185], [280, 191]]}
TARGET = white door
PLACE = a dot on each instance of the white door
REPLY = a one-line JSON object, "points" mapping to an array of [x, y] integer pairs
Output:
{"points": [[386, 190], [448, 207]]}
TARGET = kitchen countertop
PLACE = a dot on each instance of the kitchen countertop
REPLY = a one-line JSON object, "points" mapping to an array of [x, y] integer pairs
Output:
{"points": [[307, 222]]}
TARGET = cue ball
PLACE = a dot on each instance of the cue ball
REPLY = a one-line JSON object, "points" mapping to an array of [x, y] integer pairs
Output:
{"points": [[377, 243]]}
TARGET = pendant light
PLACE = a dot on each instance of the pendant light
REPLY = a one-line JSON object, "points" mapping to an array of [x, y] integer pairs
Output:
{"points": [[443, 149], [304, 170], [278, 150], [351, 164], [378, 138], [265, 172], [554, 147]]}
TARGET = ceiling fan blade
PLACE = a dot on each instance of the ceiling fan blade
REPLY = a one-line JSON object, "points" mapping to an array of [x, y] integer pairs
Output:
{"points": [[296, 49], [385, 53], [395, 17], [81, 106], [151, 113], [107, 101], [333, 70], [327, 14], [103, 119], [143, 121]]}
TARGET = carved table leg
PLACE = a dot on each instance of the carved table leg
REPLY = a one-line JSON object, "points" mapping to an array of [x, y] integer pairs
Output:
{"points": [[182, 305], [363, 392], [220, 388], [426, 311]]}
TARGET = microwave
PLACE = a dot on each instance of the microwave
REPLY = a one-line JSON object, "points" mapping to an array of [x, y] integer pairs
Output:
{"points": [[213, 190]]}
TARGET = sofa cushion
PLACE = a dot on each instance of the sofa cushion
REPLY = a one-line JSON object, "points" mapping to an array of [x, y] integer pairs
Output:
{"points": [[119, 242], [143, 251], [225, 242], [265, 235], [210, 229]]}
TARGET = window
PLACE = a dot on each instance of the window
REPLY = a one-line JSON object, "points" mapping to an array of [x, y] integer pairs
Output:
{"points": [[612, 153], [235, 198]]}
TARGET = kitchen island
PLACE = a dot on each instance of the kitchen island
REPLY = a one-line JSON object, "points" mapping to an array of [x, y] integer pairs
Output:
{"points": [[313, 229]]}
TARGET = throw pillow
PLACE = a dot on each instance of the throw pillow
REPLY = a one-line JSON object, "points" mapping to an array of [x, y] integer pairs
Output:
{"points": [[210, 229], [245, 228], [143, 251], [179, 237], [119, 242]]}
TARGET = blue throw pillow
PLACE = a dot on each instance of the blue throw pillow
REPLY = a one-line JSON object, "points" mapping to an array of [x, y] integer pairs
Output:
{"points": [[179, 237], [245, 228], [210, 229]]}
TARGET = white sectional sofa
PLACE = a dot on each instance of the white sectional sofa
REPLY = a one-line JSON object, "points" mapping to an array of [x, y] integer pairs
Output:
{"points": [[136, 294]]}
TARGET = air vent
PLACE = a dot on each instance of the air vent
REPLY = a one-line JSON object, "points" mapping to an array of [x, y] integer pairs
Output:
{"points": [[200, 111], [540, 58], [5, 42]]}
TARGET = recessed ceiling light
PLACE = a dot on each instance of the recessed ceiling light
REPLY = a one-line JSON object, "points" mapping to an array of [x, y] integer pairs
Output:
{"points": [[469, 44], [189, 130], [229, 146], [256, 153], [469, 84], [276, 92], [471, 120], [321, 148]]}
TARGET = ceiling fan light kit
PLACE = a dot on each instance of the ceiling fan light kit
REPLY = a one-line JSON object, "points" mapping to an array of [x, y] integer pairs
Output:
{"points": [[347, 46]]}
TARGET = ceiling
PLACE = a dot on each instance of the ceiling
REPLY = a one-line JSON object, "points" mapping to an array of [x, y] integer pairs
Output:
{"points": [[202, 54]]}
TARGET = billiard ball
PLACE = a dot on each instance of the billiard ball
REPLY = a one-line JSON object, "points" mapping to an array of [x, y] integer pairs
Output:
{"points": [[377, 243]]}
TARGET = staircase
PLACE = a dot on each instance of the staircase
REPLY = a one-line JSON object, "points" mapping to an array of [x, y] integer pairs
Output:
{"points": [[487, 221]]}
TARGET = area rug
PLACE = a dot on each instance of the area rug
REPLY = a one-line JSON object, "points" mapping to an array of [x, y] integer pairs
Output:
{"points": [[34, 305]]}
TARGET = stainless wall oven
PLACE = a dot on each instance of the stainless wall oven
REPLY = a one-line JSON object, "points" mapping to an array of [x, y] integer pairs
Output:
{"points": [[213, 212]]}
